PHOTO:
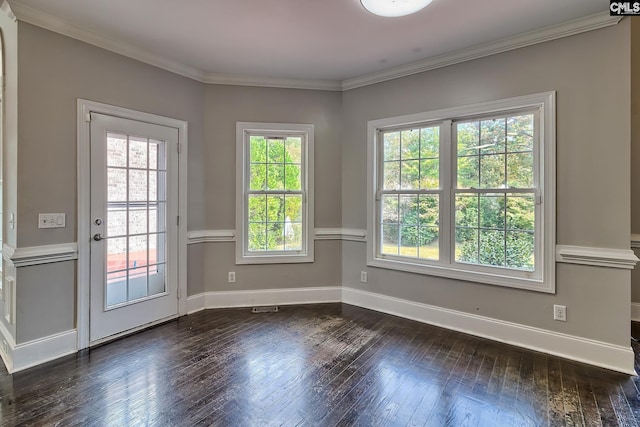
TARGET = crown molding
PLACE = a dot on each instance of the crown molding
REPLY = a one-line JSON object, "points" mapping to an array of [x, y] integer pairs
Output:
{"points": [[238, 80], [566, 29], [41, 19], [120, 46]]}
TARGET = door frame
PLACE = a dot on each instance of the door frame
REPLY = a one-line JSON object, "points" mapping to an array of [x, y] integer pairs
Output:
{"points": [[83, 279]]}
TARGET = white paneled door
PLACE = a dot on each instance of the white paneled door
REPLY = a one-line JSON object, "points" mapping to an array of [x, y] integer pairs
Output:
{"points": [[134, 212]]}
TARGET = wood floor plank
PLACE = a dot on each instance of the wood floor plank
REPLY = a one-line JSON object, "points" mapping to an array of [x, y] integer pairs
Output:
{"points": [[314, 365]]}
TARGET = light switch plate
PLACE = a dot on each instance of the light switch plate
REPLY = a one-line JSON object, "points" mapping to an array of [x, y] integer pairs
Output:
{"points": [[51, 220]]}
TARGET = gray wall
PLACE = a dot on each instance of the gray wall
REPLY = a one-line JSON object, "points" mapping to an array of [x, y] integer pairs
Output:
{"points": [[591, 74], [53, 72]]}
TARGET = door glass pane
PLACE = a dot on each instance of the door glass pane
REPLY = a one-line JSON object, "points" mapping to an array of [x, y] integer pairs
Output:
{"points": [[136, 219]]}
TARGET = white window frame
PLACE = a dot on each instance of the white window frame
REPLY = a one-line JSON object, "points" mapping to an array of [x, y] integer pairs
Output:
{"points": [[243, 131], [543, 277]]}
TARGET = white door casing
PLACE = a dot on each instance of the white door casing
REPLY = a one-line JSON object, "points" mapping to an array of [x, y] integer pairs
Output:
{"points": [[103, 314]]}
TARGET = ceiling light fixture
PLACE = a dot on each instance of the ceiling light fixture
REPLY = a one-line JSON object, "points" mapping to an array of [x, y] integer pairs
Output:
{"points": [[393, 8]]}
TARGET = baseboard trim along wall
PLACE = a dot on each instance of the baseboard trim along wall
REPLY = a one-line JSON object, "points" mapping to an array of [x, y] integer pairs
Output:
{"points": [[230, 299], [610, 356], [18, 357]]}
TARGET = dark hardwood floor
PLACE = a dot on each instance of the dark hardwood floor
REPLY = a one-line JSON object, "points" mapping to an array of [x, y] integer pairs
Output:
{"points": [[316, 365]]}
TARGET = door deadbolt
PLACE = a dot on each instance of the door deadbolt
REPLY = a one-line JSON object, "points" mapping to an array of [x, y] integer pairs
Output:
{"points": [[98, 221]]}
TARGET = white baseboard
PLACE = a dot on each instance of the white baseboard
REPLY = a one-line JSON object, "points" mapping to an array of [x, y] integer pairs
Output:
{"points": [[610, 356], [26, 355], [635, 311], [229, 299], [195, 303]]}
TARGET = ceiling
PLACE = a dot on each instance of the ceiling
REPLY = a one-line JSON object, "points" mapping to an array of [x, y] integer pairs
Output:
{"points": [[323, 41]]}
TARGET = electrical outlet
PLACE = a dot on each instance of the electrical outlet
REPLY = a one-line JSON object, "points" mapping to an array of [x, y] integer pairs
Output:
{"points": [[232, 277], [363, 276], [560, 313]]}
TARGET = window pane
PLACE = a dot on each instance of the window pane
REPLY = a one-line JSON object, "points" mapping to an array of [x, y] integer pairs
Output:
{"points": [[492, 208], [430, 174], [257, 176], [138, 185], [428, 241], [492, 248], [409, 241], [275, 177], [469, 172], [116, 223], [257, 149], [468, 138], [116, 185], [275, 151], [137, 220], [492, 136], [292, 178], [275, 208], [390, 209], [429, 210], [521, 212], [138, 152], [116, 150], [520, 133], [257, 236], [257, 208], [116, 254], [410, 174], [520, 170], [409, 210], [391, 144], [292, 236], [430, 142], [390, 239], [137, 251], [153, 153], [466, 245], [293, 208], [293, 146], [137, 283], [391, 175], [410, 144], [275, 236], [520, 250], [467, 211], [492, 171]]}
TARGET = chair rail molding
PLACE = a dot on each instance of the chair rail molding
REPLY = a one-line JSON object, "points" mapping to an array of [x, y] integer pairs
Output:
{"points": [[36, 255], [599, 257]]}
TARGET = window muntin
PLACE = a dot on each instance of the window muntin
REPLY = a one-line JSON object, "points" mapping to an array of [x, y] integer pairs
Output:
{"points": [[496, 198], [275, 188]]}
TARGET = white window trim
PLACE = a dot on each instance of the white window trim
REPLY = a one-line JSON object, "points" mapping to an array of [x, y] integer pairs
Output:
{"points": [[545, 281], [242, 254]]}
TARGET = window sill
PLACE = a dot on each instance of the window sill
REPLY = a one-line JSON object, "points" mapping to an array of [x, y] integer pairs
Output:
{"points": [[532, 284], [274, 259]]}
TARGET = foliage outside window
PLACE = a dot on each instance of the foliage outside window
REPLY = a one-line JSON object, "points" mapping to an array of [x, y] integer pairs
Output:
{"points": [[469, 196], [274, 189]]}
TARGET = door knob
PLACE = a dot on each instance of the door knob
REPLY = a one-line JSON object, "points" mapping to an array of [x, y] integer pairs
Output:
{"points": [[97, 237]]}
